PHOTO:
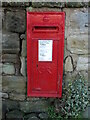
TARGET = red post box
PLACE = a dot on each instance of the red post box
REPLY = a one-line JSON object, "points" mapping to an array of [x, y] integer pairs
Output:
{"points": [[45, 49]]}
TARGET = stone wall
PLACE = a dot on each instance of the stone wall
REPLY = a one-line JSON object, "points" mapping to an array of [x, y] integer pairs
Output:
{"points": [[14, 55]]}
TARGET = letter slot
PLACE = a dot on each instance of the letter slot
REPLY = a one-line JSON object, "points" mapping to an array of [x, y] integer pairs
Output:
{"points": [[45, 29]]}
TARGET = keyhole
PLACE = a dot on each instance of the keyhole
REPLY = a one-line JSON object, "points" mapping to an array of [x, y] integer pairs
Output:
{"points": [[37, 65]]}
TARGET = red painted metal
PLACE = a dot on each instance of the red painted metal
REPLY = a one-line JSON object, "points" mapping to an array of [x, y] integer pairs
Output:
{"points": [[45, 77]]}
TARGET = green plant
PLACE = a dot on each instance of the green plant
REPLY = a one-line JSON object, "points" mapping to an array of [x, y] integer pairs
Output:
{"points": [[52, 114], [74, 99]]}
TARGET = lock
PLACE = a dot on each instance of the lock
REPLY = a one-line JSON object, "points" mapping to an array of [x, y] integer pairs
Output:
{"points": [[37, 65]]}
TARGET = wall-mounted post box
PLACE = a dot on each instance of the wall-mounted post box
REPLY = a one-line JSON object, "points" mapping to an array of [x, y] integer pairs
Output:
{"points": [[45, 49]]}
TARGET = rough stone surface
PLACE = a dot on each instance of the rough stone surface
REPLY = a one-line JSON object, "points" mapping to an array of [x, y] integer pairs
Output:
{"points": [[24, 49], [23, 36], [43, 9], [43, 116], [0, 83], [60, 4], [33, 98], [69, 64], [0, 53], [17, 96], [3, 95], [86, 75], [10, 42], [0, 44], [77, 4], [10, 105], [23, 66], [75, 58], [17, 66], [76, 21], [38, 106], [0, 68], [15, 21], [31, 116], [14, 84], [78, 44], [0, 109], [9, 58], [15, 114], [15, 4], [8, 69], [69, 77], [48, 4], [0, 19], [82, 63]]}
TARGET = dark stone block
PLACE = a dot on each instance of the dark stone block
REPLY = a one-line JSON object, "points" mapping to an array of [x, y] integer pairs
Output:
{"points": [[60, 4], [9, 58], [76, 4], [15, 4], [9, 105], [48, 4], [15, 21], [13, 84], [43, 116], [31, 116], [36, 106], [15, 114], [10, 43]]}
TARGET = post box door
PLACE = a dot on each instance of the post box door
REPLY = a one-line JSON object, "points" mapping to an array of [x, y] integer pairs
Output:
{"points": [[45, 50], [44, 65]]}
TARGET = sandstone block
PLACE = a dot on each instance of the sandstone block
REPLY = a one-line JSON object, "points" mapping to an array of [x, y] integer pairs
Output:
{"points": [[24, 49], [16, 96], [82, 63], [10, 58], [78, 44], [8, 69], [38, 106], [68, 64], [23, 66], [76, 21], [14, 84]]}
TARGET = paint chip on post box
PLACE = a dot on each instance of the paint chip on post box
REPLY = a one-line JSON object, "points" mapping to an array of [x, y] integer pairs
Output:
{"points": [[45, 50]]}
